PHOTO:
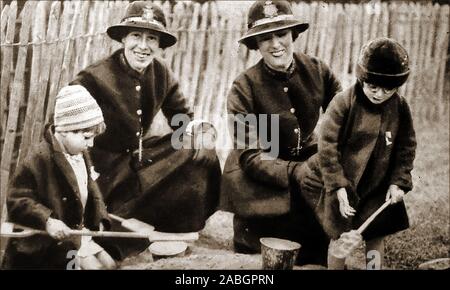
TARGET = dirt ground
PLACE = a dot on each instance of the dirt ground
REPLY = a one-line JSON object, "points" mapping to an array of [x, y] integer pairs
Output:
{"points": [[213, 251]]}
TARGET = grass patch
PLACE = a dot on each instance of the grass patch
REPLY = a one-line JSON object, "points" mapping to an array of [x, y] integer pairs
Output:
{"points": [[427, 204]]}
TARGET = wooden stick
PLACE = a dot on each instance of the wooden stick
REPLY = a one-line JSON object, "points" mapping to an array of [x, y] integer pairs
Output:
{"points": [[373, 216], [152, 236]]}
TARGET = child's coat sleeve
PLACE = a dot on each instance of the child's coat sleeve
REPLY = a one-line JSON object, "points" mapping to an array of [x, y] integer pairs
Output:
{"points": [[23, 201], [329, 155], [405, 149]]}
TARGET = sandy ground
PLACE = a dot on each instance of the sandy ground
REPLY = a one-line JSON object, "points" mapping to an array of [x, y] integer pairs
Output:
{"points": [[214, 250]]}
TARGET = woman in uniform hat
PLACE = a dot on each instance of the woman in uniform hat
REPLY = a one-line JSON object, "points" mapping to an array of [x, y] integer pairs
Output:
{"points": [[141, 176], [258, 185]]}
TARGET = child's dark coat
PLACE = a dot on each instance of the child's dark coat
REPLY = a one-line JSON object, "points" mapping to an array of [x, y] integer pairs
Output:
{"points": [[45, 186], [363, 148]]}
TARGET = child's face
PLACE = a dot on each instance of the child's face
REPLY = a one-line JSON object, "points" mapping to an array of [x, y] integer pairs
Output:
{"points": [[77, 141], [376, 94]]}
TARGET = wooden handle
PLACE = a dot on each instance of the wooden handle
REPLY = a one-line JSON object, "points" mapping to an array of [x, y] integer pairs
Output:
{"points": [[7, 231], [373, 216], [115, 217], [153, 236]]}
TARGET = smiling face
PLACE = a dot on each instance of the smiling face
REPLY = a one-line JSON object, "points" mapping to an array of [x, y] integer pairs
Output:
{"points": [[376, 94], [140, 47], [276, 48]]}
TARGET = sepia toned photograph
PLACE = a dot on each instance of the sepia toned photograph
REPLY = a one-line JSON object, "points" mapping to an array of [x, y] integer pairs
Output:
{"points": [[225, 135]]}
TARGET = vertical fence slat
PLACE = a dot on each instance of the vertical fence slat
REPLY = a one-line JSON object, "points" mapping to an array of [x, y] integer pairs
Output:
{"points": [[7, 58], [414, 55], [67, 64], [181, 44], [4, 21], [38, 36], [188, 62], [212, 51], [98, 38], [55, 71], [443, 43], [81, 39], [46, 62], [198, 61]]}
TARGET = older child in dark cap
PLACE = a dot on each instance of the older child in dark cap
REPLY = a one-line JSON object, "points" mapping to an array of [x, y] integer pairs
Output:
{"points": [[366, 151], [54, 190]]}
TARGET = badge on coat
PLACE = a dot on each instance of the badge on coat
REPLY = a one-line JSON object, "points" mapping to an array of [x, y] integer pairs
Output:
{"points": [[94, 174], [388, 138]]}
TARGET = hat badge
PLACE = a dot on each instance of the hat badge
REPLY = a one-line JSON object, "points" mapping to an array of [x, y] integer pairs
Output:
{"points": [[270, 10], [148, 13]]}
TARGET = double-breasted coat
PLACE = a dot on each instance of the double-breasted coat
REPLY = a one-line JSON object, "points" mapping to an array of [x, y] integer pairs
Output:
{"points": [[364, 148], [44, 186], [166, 189], [296, 97]]}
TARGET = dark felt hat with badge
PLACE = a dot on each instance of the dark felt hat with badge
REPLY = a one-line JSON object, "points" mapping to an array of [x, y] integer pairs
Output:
{"points": [[143, 15], [383, 62], [270, 16]]}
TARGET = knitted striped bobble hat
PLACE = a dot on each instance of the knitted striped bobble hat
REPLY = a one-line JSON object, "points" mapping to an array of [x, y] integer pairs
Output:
{"points": [[76, 109]]}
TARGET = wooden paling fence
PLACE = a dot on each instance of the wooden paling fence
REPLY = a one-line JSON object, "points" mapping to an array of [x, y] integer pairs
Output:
{"points": [[45, 43]]}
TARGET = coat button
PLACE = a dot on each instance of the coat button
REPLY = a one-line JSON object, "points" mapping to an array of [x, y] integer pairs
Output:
{"points": [[64, 199], [128, 150], [138, 88], [138, 134], [139, 112], [285, 89], [292, 110], [296, 131]]}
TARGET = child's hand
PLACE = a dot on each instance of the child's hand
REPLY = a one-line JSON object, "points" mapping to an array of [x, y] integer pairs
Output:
{"points": [[395, 193], [344, 206], [57, 229]]}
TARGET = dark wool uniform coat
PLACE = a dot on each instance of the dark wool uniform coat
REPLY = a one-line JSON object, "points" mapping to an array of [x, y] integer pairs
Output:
{"points": [[166, 189], [364, 148], [274, 209], [44, 186]]}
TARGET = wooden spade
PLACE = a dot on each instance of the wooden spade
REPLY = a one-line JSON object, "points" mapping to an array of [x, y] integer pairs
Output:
{"points": [[348, 241]]}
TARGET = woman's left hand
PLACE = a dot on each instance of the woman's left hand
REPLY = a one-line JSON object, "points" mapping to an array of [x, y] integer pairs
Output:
{"points": [[395, 193]]}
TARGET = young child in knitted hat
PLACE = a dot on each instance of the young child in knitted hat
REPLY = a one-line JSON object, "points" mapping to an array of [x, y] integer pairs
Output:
{"points": [[366, 151], [54, 189]]}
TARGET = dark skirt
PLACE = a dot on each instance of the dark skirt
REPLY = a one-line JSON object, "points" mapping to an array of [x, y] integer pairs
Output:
{"points": [[167, 190]]}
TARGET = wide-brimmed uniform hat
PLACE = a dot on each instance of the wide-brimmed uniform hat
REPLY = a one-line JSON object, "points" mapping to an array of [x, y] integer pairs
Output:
{"points": [[270, 16], [383, 62], [143, 15]]}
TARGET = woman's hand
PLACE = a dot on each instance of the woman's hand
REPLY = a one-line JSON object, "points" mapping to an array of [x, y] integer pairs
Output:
{"points": [[344, 206], [395, 193], [57, 229]]}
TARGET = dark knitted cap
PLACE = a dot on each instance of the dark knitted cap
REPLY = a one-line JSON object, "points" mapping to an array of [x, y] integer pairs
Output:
{"points": [[383, 62]]}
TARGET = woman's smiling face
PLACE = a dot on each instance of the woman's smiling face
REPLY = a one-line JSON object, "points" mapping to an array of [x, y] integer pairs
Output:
{"points": [[140, 47], [276, 48]]}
